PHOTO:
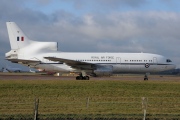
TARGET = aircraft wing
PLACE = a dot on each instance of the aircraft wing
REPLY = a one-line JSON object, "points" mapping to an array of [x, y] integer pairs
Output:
{"points": [[75, 64]]}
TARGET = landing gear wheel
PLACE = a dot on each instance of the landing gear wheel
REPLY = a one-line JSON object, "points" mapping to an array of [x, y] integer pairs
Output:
{"points": [[145, 77], [82, 78], [78, 78], [86, 78]]}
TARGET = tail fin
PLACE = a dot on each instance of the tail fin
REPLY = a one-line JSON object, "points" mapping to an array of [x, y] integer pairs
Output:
{"points": [[22, 47], [17, 38]]}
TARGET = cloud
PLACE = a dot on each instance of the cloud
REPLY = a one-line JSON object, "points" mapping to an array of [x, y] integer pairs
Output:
{"points": [[110, 3], [117, 31], [118, 3], [154, 32], [43, 2]]}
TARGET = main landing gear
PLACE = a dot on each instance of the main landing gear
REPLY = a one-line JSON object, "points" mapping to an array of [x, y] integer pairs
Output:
{"points": [[81, 77], [146, 76]]}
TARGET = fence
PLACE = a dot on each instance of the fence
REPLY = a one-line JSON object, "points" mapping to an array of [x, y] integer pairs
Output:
{"points": [[92, 107]]}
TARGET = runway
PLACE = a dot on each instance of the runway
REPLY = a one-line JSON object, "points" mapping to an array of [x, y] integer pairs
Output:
{"points": [[30, 76]]}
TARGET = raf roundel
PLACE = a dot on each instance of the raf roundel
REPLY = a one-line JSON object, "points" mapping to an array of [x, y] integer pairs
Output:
{"points": [[147, 65]]}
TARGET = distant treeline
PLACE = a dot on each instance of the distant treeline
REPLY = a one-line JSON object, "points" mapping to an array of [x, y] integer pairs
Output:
{"points": [[170, 72]]}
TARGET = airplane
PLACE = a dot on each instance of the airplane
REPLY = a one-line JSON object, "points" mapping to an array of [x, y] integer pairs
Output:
{"points": [[2, 69], [12, 70], [46, 57]]}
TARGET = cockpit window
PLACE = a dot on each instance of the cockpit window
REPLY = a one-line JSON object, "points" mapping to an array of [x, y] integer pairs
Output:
{"points": [[168, 60]]}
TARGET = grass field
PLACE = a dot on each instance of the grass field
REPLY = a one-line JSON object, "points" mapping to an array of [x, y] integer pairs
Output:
{"points": [[105, 98]]}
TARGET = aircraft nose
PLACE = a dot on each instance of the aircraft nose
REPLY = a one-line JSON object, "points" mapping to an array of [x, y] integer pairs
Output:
{"points": [[171, 67], [174, 66]]}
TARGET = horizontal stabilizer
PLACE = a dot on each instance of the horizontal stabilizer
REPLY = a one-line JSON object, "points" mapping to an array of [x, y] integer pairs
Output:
{"points": [[23, 61]]}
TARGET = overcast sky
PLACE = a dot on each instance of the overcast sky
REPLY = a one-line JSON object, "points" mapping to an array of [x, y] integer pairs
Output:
{"points": [[151, 26]]}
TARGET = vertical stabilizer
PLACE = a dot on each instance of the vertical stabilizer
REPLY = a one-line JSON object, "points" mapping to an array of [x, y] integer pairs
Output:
{"points": [[17, 38], [22, 46]]}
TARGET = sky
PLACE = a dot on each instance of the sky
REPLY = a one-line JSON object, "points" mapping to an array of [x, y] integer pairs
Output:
{"points": [[149, 26]]}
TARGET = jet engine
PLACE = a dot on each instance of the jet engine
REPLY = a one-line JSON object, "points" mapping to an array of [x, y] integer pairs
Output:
{"points": [[103, 70]]}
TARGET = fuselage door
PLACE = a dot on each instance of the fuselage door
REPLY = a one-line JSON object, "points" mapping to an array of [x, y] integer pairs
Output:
{"points": [[118, 60], [154, 60]]}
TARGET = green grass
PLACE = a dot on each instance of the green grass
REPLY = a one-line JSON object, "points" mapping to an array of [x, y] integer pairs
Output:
{"points": [[106, 97]]}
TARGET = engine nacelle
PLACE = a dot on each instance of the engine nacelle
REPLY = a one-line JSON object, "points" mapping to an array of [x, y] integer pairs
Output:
{"points": [[105, 70]]}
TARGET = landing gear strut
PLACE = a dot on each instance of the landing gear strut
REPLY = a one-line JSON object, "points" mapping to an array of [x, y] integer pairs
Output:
{"points": [[81, 77], [146, 76]]}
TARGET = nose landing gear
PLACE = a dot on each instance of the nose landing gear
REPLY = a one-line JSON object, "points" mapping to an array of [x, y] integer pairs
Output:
{"points": [[146, 76]]}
